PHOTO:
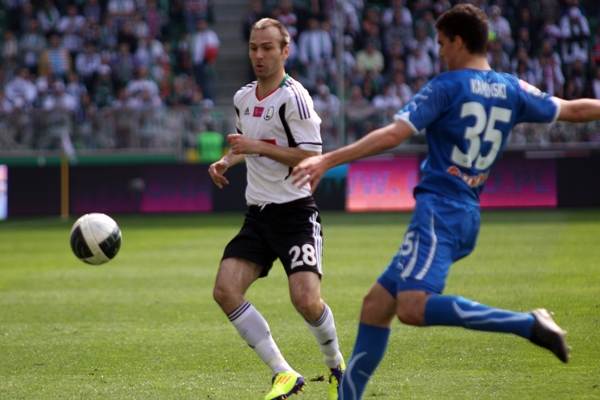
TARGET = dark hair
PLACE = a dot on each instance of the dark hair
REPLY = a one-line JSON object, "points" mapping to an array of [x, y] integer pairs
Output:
{"points": [[270, 22], [468, 22]]}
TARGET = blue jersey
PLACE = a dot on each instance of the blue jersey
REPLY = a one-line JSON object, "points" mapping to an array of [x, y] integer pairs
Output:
{"points": [[467, 116]]}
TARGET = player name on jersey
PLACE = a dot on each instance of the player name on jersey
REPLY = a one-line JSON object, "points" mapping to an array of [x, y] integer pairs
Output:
{"points": [[487, 90]]}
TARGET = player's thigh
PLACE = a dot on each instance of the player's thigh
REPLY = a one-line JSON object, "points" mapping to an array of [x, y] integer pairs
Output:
{"points": [[440, 232], [250, 244], [299, 243]]}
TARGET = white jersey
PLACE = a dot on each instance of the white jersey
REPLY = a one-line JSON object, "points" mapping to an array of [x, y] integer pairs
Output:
{"points": [[286, 117]]}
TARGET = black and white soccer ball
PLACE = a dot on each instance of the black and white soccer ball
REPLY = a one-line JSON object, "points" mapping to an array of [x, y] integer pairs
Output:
{"points": [[95, 238]]}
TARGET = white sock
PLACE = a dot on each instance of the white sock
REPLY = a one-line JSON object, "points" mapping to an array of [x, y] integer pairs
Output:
{"points": [[253, 328], [323, 329]]}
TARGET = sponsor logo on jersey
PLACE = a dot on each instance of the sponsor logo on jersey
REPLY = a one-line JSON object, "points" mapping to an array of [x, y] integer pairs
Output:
{"points": [[470, 180], [258, 111], [270, 113], [530, 89], [247, 112]]}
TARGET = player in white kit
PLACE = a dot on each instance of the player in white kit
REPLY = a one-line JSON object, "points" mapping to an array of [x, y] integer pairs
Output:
{"points": [[277, 128]]}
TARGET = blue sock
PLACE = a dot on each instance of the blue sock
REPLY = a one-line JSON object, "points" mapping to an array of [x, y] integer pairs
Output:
{"points": [[371, 342], [458, 311]]}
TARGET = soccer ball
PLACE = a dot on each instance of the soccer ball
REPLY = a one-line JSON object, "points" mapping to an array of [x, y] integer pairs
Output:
{"points": [[95, 238]]}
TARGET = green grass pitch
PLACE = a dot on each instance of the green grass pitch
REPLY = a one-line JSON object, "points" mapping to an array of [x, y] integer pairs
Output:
{"points": [[145, 326]]}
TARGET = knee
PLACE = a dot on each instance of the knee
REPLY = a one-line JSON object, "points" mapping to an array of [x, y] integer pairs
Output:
{"points": [[410, 307], [222, 293], [310, 307], [409, 317]]}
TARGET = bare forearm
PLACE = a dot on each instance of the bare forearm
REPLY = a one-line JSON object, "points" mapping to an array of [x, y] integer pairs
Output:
{"points": [[289, 156], [579, 110], [375, 142], [232, 159]]}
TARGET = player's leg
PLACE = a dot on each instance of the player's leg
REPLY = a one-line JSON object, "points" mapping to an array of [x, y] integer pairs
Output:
{"points": [[376, 316], [233, 279], [442, 232], [305, 293], [299, 246]]}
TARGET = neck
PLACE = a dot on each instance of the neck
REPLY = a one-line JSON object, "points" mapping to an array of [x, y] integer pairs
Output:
{"points": [[268, 85], [476, 61]]}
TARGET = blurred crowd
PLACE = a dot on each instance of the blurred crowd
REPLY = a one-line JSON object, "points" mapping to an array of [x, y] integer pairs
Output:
{"points": [[84, 56], [391, 50]]}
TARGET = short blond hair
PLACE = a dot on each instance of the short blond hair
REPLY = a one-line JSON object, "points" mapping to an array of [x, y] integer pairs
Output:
{"points": [[270, 22]]}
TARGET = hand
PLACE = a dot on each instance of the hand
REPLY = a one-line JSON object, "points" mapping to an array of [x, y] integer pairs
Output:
{"points": [[241, 144], [216, 171], [309, 171]]}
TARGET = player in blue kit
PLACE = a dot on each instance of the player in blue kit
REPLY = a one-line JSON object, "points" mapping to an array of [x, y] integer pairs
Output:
{"points": [[466, 114]]}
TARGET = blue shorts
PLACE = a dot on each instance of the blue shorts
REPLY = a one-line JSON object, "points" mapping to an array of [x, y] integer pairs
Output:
{"points": [[441, 232]]}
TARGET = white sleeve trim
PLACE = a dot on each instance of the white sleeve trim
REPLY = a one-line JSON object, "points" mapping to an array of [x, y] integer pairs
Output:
{"points": [[405, 116]]}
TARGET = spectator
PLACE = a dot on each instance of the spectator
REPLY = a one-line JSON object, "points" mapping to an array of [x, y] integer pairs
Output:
{"points": [[120, 11], [194, 11], [71, 27], [549, 10], [108, 34], [315, 52], [10, 46], [31, 45], [123, 66], [428, 22], [87, 64], [525, 73], [396, 29], [20, 91], [524, 41], [358, 113], [286, 15], [369, 59], [139, 27], [397, 6], [204, 46], [156, 19], [92, 11], [48, 17], [501, 28], [126, 35], [75, 87], [387, 104], [419, 65], [142, 83], [549, 76], [550, 31], [498, 59], [577, 74], [327, 107], [575, 32], [103, 93], [401, 88], [59, 99], [424, 42], [210, 144], [255, 13], [27, 14], [55, 56], [521, 56]]}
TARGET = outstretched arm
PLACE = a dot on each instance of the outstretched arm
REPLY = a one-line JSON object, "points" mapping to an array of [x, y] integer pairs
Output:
{"points": [[312, 169], [579, 110]]}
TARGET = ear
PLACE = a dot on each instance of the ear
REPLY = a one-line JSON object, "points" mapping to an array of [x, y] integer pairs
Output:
{"points": [[286, 52]]}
